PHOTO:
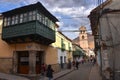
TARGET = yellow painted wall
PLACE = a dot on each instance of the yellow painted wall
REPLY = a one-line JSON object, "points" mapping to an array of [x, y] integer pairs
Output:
{"points": [[58, 41], [57, 44]]}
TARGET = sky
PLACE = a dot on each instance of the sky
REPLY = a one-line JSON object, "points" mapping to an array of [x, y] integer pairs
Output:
{"points": [[72, 14]]}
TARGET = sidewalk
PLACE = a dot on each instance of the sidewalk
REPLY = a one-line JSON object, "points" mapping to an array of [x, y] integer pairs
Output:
{"points": [[94, 74], [11, 77], [59, 74]]}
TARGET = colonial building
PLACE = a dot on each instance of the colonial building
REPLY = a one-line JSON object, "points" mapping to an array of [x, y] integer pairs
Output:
{"points": [[25, 39], [105, 23], [85, 41], [64, 49]]}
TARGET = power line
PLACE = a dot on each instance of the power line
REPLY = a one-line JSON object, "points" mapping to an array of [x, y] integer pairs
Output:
{"points": [[74, 17], [72, 30]]}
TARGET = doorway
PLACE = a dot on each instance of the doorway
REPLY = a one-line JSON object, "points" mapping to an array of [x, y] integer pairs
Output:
{"points": [[39, 61], [23, 62]]}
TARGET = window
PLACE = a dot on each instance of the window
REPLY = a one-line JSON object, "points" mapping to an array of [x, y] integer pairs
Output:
{"points": [[16, 19], [25, 17], [21, 18], [48, 22], [43, 19], [38, 18], [83, 37], [30, 16], [83, 31], [8, 21], [52, 25], [13, 20], [34, 15], [5, 21]]}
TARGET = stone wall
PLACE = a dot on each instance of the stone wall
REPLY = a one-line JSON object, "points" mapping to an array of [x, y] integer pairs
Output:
{"points": [[56, 67], [5, 65]]}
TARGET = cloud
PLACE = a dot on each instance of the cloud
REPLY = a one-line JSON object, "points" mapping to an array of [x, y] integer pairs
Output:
{"points": [[71, 13]]}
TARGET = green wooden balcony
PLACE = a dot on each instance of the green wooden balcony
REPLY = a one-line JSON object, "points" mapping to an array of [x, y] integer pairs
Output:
{"points": [[33, 30]]}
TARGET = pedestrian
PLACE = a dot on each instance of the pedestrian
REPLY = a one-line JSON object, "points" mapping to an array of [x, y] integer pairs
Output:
{"points": [[77, 63], [43, 69], [94, 61], [73, 64], [49, 73]]}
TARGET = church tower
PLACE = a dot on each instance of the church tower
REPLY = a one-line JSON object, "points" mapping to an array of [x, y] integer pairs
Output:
{"points": [[83, 39]]}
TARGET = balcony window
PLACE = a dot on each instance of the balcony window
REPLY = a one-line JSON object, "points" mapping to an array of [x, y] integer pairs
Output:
{"points": [[16, 19], [5, 21], [43, 19], [21, 18], [34, 15], [8, 21], [39, 17], [52, 25], [13, 20], [25, 17], [30, 16]]}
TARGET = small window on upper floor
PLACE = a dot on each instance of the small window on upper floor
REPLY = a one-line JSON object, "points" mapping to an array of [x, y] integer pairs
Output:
{"points": [[25, 17], [30, 16], [83, 37], [13, 20], [83, 31], [21, 18], [16, 19], [34, 15], [8, 21], [5, 22]]}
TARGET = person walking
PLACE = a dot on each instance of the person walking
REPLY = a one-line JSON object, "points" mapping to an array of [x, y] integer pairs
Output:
{"points": [[74, 64], [43, 69], [49, 73], [77, 64]]}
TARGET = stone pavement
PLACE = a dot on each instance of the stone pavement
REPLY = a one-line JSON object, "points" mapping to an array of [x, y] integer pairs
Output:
{"points": [[94, 74], [15, 77]]}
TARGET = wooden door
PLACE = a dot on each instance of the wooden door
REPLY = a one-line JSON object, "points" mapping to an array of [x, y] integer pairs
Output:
{"points": [[23, 62]]}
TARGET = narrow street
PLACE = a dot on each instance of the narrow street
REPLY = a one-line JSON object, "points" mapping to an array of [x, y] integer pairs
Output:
{"points": [[81, 74]]}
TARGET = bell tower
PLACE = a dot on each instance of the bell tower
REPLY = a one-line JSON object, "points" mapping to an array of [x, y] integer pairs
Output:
{"points": [[83, 39]]}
